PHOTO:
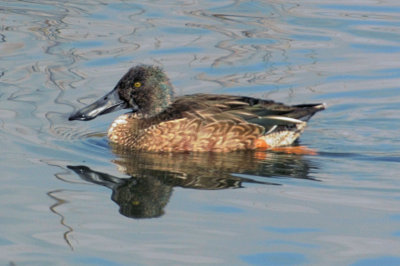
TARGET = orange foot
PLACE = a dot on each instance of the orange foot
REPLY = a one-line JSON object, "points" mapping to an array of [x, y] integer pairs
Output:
{"points": [[301, 150], [261, 145]]}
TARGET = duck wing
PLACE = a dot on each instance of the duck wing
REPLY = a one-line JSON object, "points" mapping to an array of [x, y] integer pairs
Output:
{"points": [[214, 107]]}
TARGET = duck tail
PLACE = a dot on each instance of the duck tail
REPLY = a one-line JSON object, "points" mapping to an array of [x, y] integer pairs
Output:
{"points": [[304, 112], [288, 127]]}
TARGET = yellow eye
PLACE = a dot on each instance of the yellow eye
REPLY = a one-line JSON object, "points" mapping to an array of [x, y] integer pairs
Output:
{"points": [[137, 84]]}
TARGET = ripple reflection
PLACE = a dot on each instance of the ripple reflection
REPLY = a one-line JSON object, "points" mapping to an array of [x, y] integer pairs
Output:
{"points": [[153, 176]]}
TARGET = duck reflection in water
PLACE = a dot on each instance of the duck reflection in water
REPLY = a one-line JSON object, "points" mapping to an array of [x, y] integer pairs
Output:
{"points": [[153, 175]]}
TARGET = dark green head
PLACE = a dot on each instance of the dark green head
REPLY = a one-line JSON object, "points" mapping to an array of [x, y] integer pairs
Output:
{"points": [[144, 89]]}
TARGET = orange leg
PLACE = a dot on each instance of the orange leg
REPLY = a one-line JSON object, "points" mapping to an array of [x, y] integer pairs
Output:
{"points": [[301, 150], [261, 145]]}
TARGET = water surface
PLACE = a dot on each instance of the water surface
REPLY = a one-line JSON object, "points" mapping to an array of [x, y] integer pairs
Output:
{"points": [[69, 198]]}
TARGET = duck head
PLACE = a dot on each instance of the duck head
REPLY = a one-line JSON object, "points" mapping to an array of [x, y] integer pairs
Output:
{"points": [[143, 89]]}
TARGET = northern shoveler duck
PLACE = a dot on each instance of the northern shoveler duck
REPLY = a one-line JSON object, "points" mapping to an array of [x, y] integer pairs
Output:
{"points": [[200, 122]]}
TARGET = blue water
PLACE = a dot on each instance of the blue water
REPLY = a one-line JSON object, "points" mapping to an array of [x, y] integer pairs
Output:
{"points": [[69, 198]]}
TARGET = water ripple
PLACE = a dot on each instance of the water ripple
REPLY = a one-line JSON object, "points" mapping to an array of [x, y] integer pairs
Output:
{"points": [[60, 55]]}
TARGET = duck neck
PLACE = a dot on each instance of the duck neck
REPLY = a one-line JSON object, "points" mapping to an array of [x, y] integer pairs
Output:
{"points": [[155, 99]]}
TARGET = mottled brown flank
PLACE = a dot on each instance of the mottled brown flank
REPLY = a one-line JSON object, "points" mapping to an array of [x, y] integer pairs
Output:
{"points": [[205, 122], [186, 135]]}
